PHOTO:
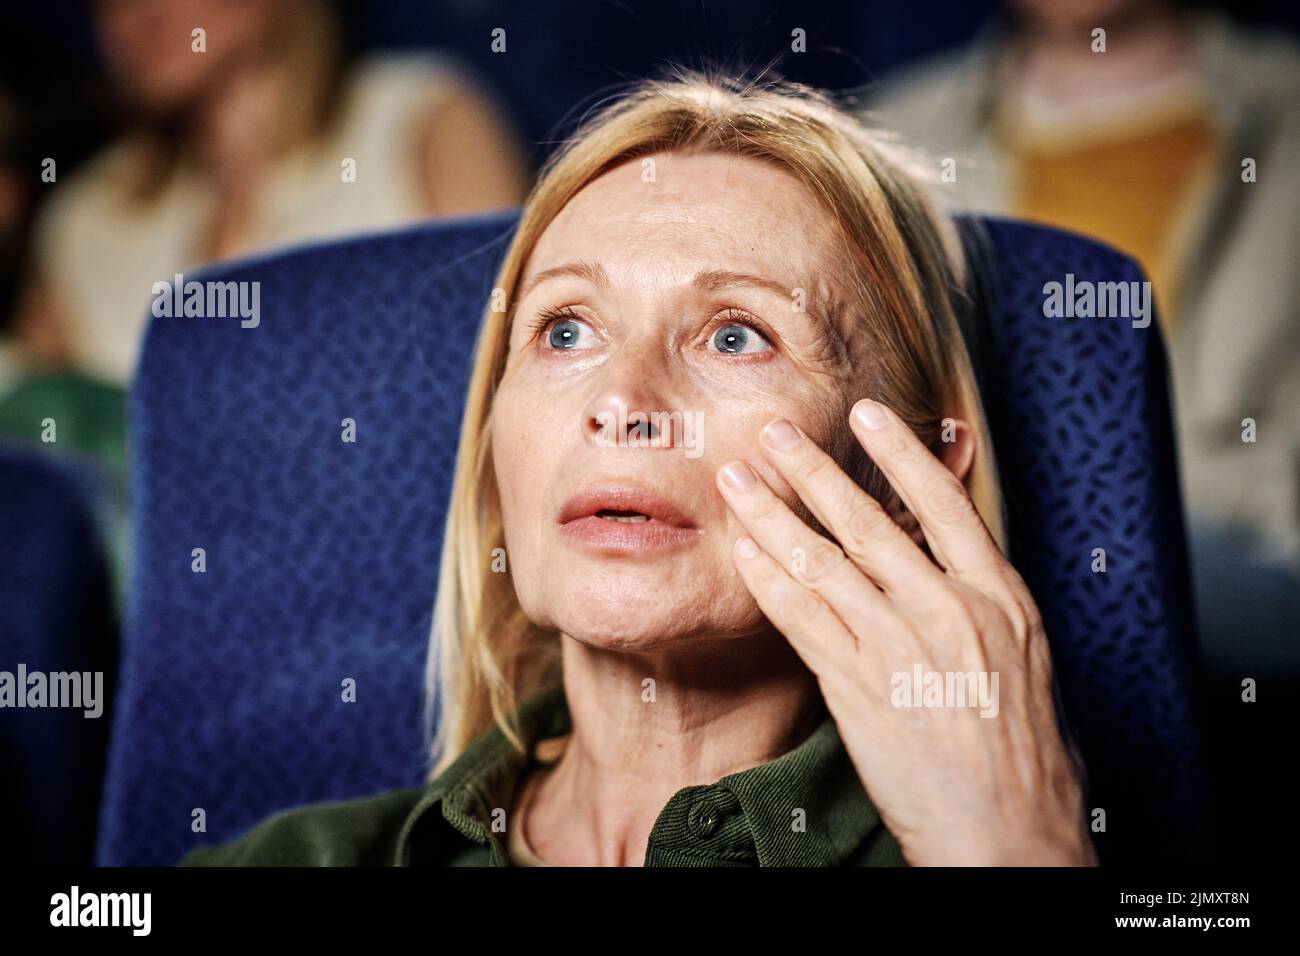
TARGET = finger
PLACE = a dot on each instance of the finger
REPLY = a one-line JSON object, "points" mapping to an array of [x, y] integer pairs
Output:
{"points": [[870, 538], [810, 560], [958, 537], [815, 632]]}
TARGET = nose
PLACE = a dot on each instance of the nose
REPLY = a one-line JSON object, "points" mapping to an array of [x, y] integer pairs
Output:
{"points": [[628, 408]]}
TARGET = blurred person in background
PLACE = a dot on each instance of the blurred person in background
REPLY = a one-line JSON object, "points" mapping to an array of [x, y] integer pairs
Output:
{"points": [[1177, 145], [15, 208], [247, 144], [55, 122], [51, 105]]}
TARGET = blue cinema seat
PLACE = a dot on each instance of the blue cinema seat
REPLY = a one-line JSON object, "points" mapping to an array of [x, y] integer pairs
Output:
{"points": [[56, 617], [321, 556]]}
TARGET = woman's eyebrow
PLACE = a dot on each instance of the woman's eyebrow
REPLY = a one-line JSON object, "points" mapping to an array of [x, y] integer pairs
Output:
{"points": [[715, 280], [711, 280], [593, 272]]}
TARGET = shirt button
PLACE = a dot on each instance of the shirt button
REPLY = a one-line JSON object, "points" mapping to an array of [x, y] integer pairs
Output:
{"points": [[704, 818]]}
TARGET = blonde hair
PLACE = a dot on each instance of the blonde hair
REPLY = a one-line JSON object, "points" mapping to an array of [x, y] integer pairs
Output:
{"points": [[905, 276]]}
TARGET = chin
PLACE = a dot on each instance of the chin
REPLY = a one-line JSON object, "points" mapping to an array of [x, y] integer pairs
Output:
{"points": [[635, 607]]}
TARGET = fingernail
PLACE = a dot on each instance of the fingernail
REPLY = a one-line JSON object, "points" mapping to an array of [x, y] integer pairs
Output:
{"points": [[870, 414], [746, 548], [781, 435], [739, 476]]}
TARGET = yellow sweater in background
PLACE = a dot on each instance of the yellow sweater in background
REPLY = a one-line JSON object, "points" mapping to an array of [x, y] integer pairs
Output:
{"points": [[1128, 184]]}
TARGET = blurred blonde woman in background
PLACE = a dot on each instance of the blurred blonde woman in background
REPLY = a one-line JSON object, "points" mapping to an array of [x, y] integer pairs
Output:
{"points": [[647, 654], [268, 135]]}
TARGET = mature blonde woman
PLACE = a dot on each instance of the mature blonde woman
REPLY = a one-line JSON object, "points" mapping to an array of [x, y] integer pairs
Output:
{"points": [[650, 651]]}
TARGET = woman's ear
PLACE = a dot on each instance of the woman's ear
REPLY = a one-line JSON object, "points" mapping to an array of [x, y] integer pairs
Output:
{"points": [[955, 447]]}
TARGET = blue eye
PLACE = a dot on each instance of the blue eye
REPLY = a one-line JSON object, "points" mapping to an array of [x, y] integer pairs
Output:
{"points": [[564, 332], [564, 335], [739, 339]]}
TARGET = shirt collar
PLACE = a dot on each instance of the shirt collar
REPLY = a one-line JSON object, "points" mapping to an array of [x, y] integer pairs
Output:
{"points": [[804, 808], [466, 794]]}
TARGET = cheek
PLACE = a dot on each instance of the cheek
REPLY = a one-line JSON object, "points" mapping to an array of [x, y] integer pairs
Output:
{"points": [[823, 418], [526, 452], [737, 427]]}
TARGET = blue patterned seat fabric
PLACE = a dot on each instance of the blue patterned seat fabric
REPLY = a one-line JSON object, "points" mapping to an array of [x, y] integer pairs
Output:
{"points": [[321, 556]]}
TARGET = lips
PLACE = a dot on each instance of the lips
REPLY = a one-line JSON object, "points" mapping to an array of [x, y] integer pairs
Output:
{"points": [[622, 519], [614, 502]]}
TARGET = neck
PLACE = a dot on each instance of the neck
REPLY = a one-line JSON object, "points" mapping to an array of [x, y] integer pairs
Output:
{"points": [[1054, 62], [724, 706], [273, 100]]}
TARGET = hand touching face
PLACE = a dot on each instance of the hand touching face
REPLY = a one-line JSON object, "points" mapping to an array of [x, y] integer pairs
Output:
{"points": [[984, 778]]}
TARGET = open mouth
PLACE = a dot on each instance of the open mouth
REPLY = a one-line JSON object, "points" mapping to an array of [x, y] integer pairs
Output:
{"points": [[622, 518], [625, 504], [631, 517]]}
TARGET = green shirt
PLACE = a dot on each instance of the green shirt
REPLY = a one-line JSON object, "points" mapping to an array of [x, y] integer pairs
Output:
{"points": [[805, 808]]}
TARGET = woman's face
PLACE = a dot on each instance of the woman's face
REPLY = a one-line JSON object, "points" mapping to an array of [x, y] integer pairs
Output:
{"points": [[149, 48], [698, 294]]}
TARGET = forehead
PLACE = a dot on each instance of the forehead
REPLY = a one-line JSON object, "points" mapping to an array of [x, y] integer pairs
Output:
{"points": [[678, 214]]}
